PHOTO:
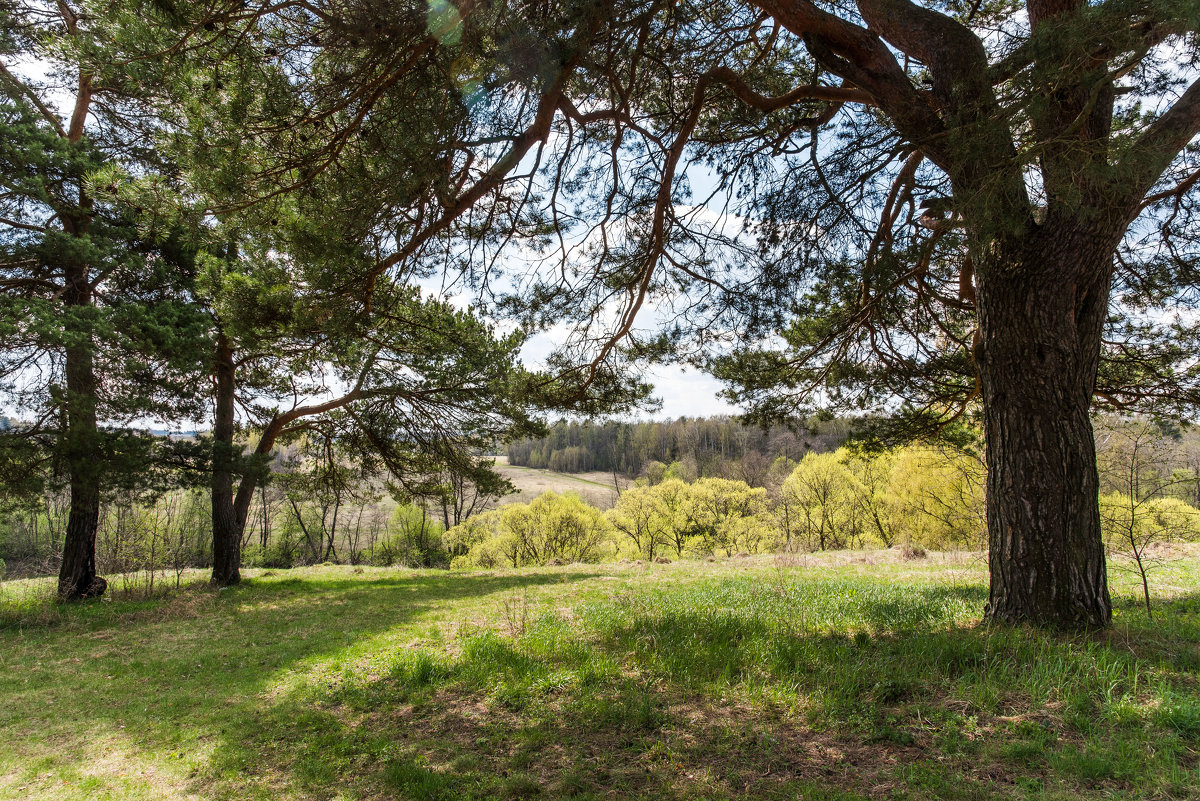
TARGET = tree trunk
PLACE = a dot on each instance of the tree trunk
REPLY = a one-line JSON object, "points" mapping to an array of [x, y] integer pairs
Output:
{"points": [[1040, 320], [227, 529], [331, 532], [77, 575], [253, 476], [266, 524]]}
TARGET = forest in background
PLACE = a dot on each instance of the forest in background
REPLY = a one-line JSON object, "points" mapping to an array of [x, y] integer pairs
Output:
{"points": [[707, 446], [314, 225], [333, 233]]}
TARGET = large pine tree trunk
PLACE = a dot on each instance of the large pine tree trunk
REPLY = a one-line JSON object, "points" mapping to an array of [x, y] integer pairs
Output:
{"points": [[77, 576], [1041, 314], [227, 529]]}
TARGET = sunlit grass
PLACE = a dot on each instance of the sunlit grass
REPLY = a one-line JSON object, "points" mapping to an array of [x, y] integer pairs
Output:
{"points": [[846, 676]]}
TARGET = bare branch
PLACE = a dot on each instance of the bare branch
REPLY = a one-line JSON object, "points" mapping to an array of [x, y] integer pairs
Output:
{"points": [[1159, 145]]}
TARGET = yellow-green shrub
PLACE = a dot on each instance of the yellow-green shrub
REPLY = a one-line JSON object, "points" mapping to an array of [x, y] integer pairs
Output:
{"points": [[938, 497], [551, 527]]}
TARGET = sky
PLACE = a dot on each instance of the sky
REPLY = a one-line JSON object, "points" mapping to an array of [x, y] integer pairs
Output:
{"points": [[688, 392], [684, 391]]}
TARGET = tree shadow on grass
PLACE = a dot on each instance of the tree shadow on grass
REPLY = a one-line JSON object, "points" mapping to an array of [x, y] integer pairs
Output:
{"points": [[675, 704], [500, 722], [292, 688], [150, 678]]}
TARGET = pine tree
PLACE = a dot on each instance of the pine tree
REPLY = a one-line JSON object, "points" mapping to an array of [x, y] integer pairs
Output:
{"points": [[332, 155], [948, 208], [96, 333], [410, 390]]}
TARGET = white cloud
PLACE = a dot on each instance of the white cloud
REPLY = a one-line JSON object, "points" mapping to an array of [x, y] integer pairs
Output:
{"points": [[687, 392]]}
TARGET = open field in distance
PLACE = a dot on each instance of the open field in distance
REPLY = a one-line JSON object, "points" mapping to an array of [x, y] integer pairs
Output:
{"points": [[596, 487]]}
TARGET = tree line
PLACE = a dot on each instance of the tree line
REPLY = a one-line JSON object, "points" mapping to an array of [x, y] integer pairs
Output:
{"points": [[303, 511], [913, 498], [707, 445]]}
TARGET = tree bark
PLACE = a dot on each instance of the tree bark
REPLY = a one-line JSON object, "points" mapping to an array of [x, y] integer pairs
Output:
{"points": [[227, 528], [77, 576], [1041, 315]]}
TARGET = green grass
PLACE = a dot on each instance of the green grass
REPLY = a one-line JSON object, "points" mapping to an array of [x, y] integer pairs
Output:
{"points": [[846, 677]]}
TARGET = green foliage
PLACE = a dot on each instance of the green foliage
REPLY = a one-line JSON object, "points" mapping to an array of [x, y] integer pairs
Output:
{"points": [[416, 539], [726, 515], [655, 471], [553, 528], [642, 516], [681, 470], [473, 531], [1158, 520], [708, 516], [74, 209], [1146, 465], [284, 551], [819, 489], [937, 496], [920, 497]]}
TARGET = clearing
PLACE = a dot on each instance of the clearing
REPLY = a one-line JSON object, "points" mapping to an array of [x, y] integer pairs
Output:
{"points": [[841, 676], [596, 488]]}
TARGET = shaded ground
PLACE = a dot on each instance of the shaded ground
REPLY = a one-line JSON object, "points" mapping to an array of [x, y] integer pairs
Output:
{"points": [[839, 677]]}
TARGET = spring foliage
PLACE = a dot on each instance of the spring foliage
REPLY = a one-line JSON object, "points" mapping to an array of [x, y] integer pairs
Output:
{"points": [[827, 501], [917, 497]]}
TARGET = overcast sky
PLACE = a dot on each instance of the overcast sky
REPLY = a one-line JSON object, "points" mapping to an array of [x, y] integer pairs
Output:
{"points": [[688, 393]]}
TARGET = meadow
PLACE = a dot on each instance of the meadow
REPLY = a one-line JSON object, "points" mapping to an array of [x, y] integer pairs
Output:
{"points": [[596, 488], [852, 675]]}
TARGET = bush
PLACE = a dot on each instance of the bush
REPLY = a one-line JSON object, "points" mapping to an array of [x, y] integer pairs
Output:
{"points": [[460, 539], [553, 526], [1125, 522], [283, 553], [937, 497], [728, 516]]}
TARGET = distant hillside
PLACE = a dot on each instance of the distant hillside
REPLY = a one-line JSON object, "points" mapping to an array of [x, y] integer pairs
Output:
{"points": [[596, 488]]}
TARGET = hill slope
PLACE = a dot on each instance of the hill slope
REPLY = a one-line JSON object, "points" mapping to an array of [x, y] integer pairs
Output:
{"points": [[595, 488]]}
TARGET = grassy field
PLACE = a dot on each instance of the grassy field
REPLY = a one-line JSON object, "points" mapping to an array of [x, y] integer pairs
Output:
{"points": [[841, 677], [595, 488]]}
